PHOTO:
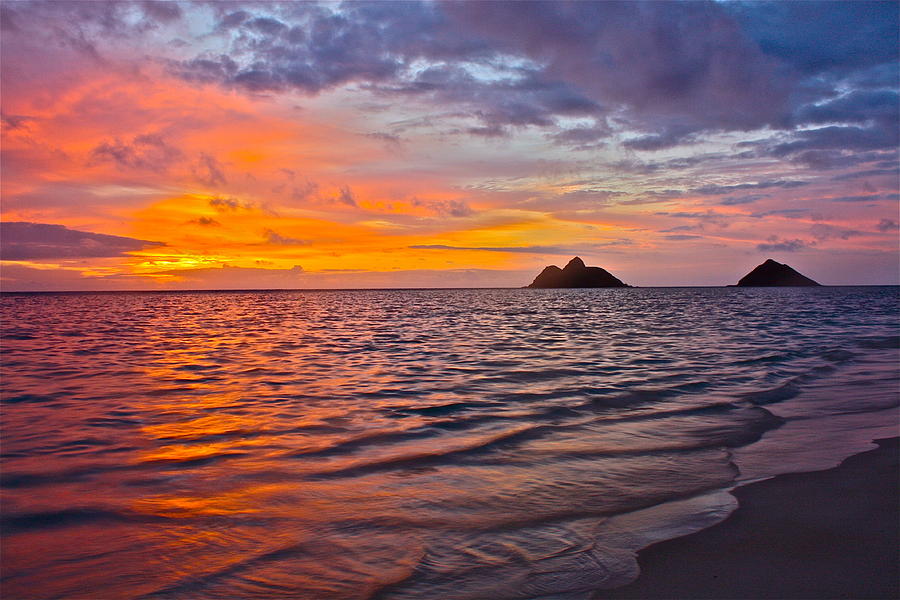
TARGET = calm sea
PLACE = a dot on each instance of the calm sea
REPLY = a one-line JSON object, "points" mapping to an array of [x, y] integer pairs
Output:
{"points": [[453, 444]]}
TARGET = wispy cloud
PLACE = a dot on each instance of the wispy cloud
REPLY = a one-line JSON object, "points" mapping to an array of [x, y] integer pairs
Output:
{"points": [[517, 249], [776, 245]]}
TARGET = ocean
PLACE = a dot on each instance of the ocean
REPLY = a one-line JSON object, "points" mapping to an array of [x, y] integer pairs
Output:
{"points": [[412, 444]]}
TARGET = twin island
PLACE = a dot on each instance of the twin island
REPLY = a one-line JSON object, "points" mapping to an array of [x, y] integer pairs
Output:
{"points": [[577, 275]]}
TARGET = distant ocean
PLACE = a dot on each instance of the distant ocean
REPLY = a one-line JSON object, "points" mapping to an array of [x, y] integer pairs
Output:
{"points": [[412, 444]]}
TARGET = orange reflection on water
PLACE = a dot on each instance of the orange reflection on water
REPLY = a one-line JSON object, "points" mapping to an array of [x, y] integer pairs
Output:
{"points": [[203, 426], [239, 501]]}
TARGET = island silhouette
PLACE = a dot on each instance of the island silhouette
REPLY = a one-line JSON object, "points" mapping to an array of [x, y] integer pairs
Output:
{"points": [[576, 275], [774, 274]]}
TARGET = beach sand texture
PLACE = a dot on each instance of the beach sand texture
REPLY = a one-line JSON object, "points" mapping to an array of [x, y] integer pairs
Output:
{"points": [[826, 534]]}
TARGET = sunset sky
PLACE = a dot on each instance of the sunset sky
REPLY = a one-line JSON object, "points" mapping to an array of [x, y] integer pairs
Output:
{"points": [[177, 145]]}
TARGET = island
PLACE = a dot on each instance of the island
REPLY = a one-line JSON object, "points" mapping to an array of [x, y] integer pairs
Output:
{"points": [[576, 275], [774, 274]]}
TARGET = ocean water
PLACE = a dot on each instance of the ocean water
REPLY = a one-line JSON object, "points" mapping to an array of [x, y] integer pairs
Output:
{"points": [[411, 444]]}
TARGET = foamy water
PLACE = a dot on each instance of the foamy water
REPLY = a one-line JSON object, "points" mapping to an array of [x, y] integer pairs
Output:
{"points": [[453, 444]]}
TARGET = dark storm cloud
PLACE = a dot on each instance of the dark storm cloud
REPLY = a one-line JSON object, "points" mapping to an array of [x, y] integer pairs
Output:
{"points": [[309, 48], [35, 241], [833, 159], [834, 146], [582, 137], [678, 67], [233, 19], [893, 171], [822, 37], [209, 69], [75, 22], [665, 73], [856, 107], [686, 63], [518, 98], [266, 26], [839, 138], [660, 141], [884, 75]]}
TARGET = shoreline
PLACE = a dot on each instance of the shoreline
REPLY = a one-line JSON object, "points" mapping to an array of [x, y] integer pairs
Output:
{"points": [[821, 534]]}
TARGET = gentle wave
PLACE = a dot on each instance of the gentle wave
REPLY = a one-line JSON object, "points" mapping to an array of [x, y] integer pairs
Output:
{"points": [[411, 444]]}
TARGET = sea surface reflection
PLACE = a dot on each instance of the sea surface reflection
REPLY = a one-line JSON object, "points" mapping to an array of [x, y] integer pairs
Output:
{"points": [[408, 443]]}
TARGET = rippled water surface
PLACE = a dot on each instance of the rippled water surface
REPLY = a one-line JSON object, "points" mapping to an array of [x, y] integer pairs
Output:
{"points": [[411, 444]]}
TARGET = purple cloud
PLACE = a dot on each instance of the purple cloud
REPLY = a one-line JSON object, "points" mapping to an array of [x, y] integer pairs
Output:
{"points": [[345, 196], [682, 237], [775, 245], [803, 34], [275, 238], [446, 208], [637, 55], [668, 71], [146, 151], [711, 190], [205, 221], [209, 171], [886, 225], [34, 241], [229, 205], [867, 198], [822, 232]]}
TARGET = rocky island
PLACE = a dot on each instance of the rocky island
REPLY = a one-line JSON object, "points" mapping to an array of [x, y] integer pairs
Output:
{"points": [[575, 275], [774, 274]]}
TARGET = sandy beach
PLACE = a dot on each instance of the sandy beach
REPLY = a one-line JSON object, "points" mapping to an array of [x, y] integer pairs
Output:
{"points": [[826, 534]]}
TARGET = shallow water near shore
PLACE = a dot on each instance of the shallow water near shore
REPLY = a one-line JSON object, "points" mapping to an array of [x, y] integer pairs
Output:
{"points": [[412, 443]]}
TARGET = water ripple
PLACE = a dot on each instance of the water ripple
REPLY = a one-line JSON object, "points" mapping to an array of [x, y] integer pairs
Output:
{"points": [[402, 444]]}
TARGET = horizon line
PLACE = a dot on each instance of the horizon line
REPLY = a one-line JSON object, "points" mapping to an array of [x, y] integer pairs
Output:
{"points": [[398, 289]]}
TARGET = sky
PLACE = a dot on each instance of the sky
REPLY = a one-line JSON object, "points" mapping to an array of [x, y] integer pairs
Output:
{"points": [[256, 145]]}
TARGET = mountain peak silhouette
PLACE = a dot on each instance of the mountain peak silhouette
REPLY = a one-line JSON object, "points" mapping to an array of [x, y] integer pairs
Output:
{"points": [[774, 274], [575, 263], [575, 275]]}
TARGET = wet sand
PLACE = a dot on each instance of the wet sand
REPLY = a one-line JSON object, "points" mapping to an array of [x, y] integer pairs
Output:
{"points": [[827, 534]]}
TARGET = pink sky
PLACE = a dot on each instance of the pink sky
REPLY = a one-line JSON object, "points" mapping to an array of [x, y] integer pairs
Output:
{"points": [[194, 146]]}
